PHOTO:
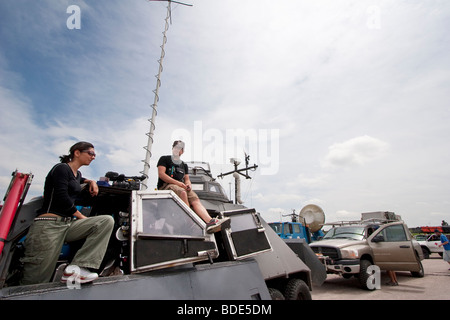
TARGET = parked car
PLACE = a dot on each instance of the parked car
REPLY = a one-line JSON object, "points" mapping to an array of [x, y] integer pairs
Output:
{"points": [[429, 244], [379, 238]]}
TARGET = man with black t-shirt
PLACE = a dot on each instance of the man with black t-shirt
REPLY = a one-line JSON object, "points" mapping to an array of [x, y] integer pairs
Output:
{"points": [[173, 175]]}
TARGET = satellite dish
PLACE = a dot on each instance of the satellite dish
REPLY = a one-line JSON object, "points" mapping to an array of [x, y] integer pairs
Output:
{"points": [[314, 217]]}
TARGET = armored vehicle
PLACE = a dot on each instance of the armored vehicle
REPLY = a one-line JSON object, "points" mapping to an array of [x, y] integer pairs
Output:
{"points": [[159, 248], [288, 269]]}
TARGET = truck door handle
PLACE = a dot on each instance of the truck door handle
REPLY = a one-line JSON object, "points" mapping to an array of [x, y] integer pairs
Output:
{"points": [[405, 247]]}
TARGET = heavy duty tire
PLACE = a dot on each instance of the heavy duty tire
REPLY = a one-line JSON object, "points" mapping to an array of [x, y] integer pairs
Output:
{"points": [[363, 275], [275, 294], [297, 289]]}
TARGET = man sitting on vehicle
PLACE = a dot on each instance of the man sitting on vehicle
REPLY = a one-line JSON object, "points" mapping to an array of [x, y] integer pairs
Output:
{"points": [[173, 175]]}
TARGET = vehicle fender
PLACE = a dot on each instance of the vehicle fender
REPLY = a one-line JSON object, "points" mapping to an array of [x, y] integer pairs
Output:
{"points": [[362, 250]]}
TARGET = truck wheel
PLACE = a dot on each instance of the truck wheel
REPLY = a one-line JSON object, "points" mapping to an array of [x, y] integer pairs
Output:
{"points": [[363, 275], [297, 289], [275, 294], [426, 252], [420, 273]]}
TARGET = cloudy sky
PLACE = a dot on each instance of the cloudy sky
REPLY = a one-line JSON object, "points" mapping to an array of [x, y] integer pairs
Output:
{"points": [[341, 103]]}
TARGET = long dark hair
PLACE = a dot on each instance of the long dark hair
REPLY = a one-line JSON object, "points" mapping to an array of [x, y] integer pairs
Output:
{"points": [[81, 146]]}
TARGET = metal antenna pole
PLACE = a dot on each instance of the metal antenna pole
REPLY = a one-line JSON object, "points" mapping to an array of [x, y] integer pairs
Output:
{"points": [[154, 106], [148, 148]]}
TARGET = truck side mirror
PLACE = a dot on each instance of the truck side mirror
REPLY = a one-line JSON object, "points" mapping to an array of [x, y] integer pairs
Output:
{"points": [[378, 238]]}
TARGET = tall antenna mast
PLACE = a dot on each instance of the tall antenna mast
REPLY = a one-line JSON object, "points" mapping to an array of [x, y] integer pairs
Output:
{"points": [[148, 148]]}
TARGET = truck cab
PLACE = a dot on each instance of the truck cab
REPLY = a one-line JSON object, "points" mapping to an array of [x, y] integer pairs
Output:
{"points": [[291, 230]]}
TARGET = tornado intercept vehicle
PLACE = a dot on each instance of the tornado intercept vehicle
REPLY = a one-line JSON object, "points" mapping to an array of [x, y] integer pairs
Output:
{"points": [[160, 249]]}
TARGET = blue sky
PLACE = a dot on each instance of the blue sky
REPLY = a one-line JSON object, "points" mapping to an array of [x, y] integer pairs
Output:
{"points": [[343, 104]]}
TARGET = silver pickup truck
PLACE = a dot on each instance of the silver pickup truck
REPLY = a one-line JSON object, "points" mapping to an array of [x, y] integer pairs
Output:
{"points": [[379, 238]]}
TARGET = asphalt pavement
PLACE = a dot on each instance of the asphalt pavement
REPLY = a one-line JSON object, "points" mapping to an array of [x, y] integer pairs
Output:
{"points": [[433, 286]]}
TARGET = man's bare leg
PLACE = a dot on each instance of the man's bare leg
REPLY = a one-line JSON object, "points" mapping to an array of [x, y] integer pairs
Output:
{"points": [[200, 210]]}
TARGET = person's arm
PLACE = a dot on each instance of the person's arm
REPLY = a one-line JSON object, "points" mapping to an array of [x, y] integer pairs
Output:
{"points": [[187, 182], [444, 241], [79, 215], [93, 187]]}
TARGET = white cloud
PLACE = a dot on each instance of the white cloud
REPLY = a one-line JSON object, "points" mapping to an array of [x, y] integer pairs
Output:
{"points": [[310, 182], [356, 151]]}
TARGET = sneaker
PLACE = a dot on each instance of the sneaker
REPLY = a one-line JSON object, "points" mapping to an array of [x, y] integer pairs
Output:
{"points": [[81, 275], [215, 225]]}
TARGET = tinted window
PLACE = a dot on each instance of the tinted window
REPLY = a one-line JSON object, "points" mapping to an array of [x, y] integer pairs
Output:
{"points": [[394, 233], [166, 217], [276, 227]]}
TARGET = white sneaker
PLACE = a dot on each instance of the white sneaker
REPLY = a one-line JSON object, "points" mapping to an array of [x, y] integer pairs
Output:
{"points": [[78, 274]]}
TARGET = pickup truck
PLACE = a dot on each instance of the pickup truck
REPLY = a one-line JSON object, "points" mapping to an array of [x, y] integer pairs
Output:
{"points": [[379, 238]]}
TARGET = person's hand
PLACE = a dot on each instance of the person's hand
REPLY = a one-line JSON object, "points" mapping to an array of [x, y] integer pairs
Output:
{"points": [[93, 188], [79, 215], [182, 185]]}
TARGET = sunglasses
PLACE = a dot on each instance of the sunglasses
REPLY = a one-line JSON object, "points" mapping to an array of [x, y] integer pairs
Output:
{"points": [[91, 153]]}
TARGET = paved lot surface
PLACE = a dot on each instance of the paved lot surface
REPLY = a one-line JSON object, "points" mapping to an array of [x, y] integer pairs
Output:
{"points": [[434, 286]]}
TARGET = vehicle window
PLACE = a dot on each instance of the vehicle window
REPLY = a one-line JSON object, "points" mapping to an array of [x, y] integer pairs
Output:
{"points": [[355, 233], [276, 227], [421, 237], [166, 217], [197, 186], [287, 228], [296, 228], [214, 188], [394, 233]]}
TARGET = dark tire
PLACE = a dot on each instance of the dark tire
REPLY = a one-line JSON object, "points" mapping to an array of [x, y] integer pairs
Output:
{"points": [[426, 252], [420, 273], [297, 289], [276, 294], [363, 275]]}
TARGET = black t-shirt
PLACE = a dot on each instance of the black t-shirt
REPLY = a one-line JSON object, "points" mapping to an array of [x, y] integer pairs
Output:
{"points": [[175, 171], [60, 191]]}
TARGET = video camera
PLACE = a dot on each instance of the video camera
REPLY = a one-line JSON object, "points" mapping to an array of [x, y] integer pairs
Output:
{"points": [[125, 182]]}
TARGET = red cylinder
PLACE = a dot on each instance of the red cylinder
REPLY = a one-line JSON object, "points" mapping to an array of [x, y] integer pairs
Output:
{"points": [[10, 206]]}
